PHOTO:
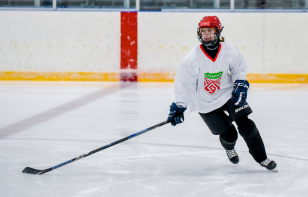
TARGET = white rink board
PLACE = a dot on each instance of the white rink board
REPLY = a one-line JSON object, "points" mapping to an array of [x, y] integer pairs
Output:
{"points": [[286, 43], [59, 41], [90, 41], [270, 42]]}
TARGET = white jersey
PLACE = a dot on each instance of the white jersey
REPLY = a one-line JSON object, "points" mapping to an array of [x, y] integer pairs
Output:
{"points": [[205, 84]]}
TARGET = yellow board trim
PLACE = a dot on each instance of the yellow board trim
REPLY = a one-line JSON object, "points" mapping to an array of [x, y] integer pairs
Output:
{"points": [[277, 78], [142, 77], [59, 76], [252, 78], [156, 77]]}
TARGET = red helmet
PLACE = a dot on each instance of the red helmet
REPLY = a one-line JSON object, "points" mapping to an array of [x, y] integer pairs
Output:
{"points": [[209, 22]]}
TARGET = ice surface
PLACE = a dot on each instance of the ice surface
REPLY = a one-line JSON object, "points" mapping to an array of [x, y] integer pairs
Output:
{"points": [[43, 124]]}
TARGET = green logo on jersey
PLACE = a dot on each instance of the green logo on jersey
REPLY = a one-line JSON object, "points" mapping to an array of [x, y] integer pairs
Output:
{"points": [[212, 82], [213, 75]]}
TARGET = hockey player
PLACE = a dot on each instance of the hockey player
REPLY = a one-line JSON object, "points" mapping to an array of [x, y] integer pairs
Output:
{"points": [[212, 81]]}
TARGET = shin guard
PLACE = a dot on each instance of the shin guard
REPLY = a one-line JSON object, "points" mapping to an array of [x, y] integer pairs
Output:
{"points": [[228, 139], [252, 137]]}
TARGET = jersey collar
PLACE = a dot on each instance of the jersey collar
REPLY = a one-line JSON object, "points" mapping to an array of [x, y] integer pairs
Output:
{"points": [[210, 56]]}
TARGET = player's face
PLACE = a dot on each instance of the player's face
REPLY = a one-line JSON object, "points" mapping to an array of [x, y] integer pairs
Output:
{"points": [[208, 34]]}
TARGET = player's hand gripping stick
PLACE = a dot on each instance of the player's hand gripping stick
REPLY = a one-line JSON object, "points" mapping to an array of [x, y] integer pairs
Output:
{"points": [[176, 115], [239, 93]]}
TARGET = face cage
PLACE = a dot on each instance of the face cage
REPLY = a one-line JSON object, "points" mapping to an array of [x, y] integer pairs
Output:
{"points": [[208, 43]]}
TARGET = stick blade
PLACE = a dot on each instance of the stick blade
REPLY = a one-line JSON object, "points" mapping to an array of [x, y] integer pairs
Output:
{"points": [[29, 170]]}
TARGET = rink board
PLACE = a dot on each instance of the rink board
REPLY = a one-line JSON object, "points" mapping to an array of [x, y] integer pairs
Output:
{"points": [[97, 46], [141, 77]]}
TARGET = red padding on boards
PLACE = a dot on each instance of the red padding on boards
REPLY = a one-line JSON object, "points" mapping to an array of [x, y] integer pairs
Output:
{"points": [[129, 46]]}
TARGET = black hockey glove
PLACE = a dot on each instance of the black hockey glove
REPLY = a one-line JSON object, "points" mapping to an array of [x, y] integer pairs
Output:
{"points": [[239, 93], [176, 115]]}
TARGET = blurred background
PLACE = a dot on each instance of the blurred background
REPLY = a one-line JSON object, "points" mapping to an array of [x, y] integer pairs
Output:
{"points": [[146, 40], [161, 4]]}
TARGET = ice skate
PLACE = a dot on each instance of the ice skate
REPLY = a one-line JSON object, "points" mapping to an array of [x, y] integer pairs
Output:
{"points": [[232, 155], [269, 164]]}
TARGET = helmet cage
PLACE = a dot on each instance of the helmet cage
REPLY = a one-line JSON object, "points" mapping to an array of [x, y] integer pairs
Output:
{"points": [[210, 42]]}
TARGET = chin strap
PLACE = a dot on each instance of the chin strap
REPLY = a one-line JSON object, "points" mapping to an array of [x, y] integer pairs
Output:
{"points": [[213, 47]]}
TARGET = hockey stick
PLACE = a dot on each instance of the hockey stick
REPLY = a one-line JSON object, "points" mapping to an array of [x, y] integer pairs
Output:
{"points": [[29, 170]]}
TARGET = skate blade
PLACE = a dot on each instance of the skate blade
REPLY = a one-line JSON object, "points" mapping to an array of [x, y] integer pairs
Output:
{"points": [[274, 170]]}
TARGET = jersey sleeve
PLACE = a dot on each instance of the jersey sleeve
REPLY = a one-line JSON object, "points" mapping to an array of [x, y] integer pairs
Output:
{"points": [[185, 84], [238, 67]]}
